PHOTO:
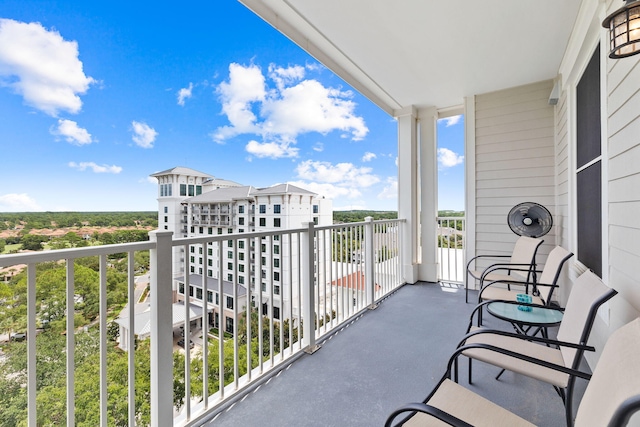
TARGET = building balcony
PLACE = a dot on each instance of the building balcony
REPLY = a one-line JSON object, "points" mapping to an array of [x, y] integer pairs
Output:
{"points": [[316, 299]]}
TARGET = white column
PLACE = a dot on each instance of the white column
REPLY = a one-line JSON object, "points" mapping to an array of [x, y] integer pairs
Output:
{"points": [[427, 119], [369, 263], [161, 330], [308, 288], [408, 194]]}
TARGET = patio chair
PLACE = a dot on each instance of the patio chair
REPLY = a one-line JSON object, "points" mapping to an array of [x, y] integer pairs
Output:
{"points": [[520, 265], [611, 398], [587, 295], [541, 291]]}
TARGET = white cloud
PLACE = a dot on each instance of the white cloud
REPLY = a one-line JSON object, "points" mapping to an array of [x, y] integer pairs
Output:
{"points": [[82, 166], [368, 156], [184, 93], [72, 132], [273, 150], [42, 67], [344, 174], [453, 120], [289, 107], [143, 134], [330, 191], [318, 146], [448, 159], [18, 203], [390, 191]]}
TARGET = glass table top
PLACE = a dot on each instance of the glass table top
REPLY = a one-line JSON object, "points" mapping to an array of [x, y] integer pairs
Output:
{"points": [[538, 316]]}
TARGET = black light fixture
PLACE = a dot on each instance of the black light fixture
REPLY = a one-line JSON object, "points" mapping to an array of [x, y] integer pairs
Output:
{"points": [[624, 30]]}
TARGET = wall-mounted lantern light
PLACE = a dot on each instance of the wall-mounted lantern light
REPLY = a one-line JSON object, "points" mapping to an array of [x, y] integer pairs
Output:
{"points": [[624, 30]]}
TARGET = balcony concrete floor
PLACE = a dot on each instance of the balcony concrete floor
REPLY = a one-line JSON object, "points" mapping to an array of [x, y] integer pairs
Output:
{"points": [[385, 358]]}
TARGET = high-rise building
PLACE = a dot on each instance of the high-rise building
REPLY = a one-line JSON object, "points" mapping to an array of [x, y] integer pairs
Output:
{"points": [[191, 204]]}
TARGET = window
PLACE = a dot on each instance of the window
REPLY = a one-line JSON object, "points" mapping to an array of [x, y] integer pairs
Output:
{"points": [[241, 209], [193, 259], [241, 280], [276, 238], [191, 190], [210, 252], [230, 230], [193, 229], [166, 209], [315, 220], [199, 293], [264, 287], [276, 290], [200, 250], [263, 248], [166, 227], [589, 166], [166, 219], [241, 221], [264, 260], [210, 273], [276, 209], [276, 312], [217, 298], [230, 254], [230, 266], [210, 230], [315, 209], [181, 288], [263, 209], [219, 230], [276, 263], [276, 222], [241, 256], [230, 277], [229, 325], [193, 269], [209, 296], [241, 268], [230, 303], [198, 190], [183, 189], [276, 249], [230, 243], [200, 260], [263, 222], [276, 276], [190, 291], [192, 249], [240, 244], [210, 262]]}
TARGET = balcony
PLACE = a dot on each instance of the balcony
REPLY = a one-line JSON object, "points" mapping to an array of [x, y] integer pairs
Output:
{"points": [[341, 290]]}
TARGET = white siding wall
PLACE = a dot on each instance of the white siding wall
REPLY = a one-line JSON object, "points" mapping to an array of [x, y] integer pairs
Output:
{"points": [[515, 162], [623, 153]]}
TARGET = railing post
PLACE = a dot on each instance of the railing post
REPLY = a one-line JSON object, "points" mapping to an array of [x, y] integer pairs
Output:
{"points": [[161, 330], [307, 261], [369, 263]]}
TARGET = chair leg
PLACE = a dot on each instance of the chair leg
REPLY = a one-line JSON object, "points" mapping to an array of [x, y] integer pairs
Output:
{"points": [[470, 377]]}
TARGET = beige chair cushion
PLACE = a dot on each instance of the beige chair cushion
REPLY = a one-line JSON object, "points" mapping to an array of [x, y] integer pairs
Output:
{"points": [[499, 293], [467, 406], [521, 346], [615, 379]]}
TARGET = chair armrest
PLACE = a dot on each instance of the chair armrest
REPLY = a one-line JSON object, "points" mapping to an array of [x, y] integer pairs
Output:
{"points": [[515, 282], [426, 409], [526, 358], [485, 256]]}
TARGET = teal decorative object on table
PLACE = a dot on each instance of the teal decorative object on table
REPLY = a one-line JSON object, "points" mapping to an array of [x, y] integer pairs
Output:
{"points": [[525, 299]]}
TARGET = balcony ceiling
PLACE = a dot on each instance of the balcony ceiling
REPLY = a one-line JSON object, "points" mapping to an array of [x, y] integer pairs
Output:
{"points": [[424, 52]]}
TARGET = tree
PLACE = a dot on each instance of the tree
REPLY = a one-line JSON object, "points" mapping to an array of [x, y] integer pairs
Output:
{"points": [[32, 242]]}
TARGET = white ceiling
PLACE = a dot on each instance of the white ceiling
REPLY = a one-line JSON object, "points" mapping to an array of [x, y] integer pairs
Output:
{"points": [[424, 53]]}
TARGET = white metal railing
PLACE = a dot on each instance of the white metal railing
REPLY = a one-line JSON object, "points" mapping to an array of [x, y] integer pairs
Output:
{"points": [[316, 279], [451, 235]]}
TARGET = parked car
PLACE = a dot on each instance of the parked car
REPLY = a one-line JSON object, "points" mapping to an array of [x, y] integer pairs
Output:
{"points": [[20, 336], [181, 343]]}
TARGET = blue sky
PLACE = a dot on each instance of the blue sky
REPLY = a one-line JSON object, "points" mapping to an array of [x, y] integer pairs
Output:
{"points": [[96, 96]]}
